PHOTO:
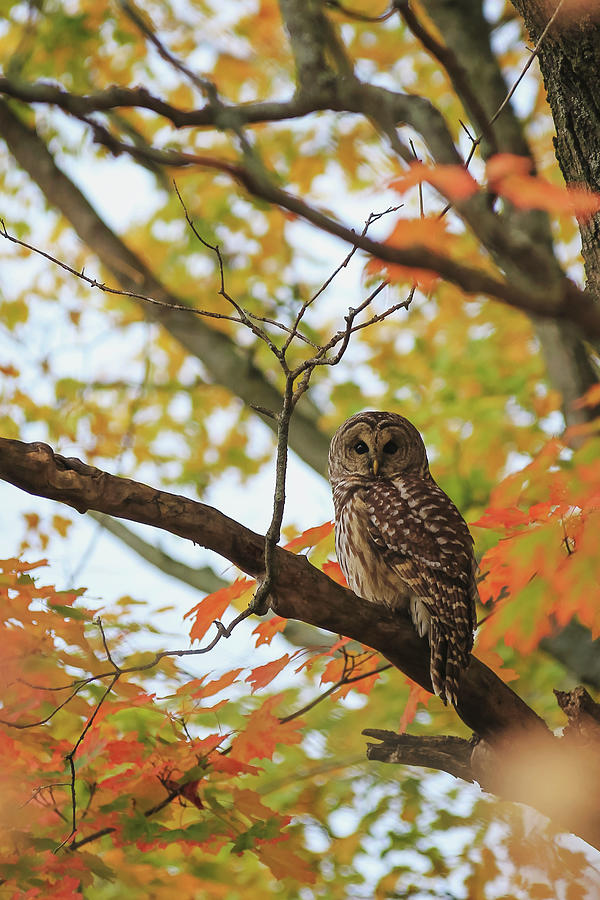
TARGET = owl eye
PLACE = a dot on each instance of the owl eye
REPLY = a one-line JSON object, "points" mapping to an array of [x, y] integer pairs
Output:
{"points": [[360, 447], [390, 448]]}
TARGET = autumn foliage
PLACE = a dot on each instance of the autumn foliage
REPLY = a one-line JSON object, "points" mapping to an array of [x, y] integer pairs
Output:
{"points": [[146, 340]]}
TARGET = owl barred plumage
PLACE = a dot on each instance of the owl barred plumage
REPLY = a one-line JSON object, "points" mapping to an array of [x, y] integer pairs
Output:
{"points": [[400, 540]]}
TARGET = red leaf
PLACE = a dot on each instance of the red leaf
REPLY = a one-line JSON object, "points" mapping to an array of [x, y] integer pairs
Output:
{"points": [[213, 606], [124, 751], [452, 181], [310, 537], [267, 630], [188, 790], [263, 732], [263, 675]]}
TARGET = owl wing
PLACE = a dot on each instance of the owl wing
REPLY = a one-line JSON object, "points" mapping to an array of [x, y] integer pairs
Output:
{"points": [[424, 538]]}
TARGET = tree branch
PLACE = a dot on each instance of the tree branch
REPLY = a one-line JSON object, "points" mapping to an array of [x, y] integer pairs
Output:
{"points": [[545, 775], [300, 591], [442, 752]]}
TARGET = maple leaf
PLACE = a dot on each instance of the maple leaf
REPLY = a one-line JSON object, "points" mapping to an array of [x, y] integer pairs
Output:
{"points": [[214, 605], [453, 181], [416, 695], [263, 675], [310, 537], [332, 569], [507, 176], [284, 863], [201, 690], [267, 630], [264, 732], [189, 790]]}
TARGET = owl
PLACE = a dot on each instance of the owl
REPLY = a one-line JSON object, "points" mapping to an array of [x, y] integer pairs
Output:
{"points": [[400, 540]]}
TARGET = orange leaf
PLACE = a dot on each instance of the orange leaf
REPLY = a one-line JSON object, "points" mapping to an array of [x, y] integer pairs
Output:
{"points": [[267, 630], [61, 524], [213, 687], [504, 164], [284, 863], [310, 537], [507, 176], [498, 519], [332, 569], [333, 670], [263, 675], [495, 662], [264, 732], [452, 181], [416, 695], [221, 763], [590, 398], [213, 606]]}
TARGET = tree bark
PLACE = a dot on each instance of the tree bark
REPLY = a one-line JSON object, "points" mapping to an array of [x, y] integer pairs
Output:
{"points": [[569, 59]]}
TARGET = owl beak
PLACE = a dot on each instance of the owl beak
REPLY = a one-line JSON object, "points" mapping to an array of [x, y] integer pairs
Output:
{"points": [[375, 465]]}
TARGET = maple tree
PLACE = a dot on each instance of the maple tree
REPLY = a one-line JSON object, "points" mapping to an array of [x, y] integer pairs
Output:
{"points": [[315, 207]]}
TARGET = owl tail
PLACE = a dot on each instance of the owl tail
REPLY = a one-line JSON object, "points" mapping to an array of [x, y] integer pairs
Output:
{"points": [[447, 663]]}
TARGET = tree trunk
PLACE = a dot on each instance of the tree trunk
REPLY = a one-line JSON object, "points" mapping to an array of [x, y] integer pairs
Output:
{"points": [[569, 59]]}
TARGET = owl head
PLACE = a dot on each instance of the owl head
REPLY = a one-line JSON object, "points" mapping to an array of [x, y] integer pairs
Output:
{"points": [[376, 444]]}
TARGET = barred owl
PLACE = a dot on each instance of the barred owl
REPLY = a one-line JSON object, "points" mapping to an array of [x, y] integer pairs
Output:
{"points": [[400, 540]]}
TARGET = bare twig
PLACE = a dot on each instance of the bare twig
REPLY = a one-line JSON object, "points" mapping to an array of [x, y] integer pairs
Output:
{"points": [[342, 681], [92, 282], [358, 16], [204, 84], [71, 760], [222, 632]]}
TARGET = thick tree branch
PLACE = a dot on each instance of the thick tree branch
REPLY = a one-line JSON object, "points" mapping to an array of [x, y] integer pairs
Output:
{"points": [[487, 705], [442, 752], [532, 267], [220, 116], [467, 34], [577, 650], [557, 778], [570, 64]]}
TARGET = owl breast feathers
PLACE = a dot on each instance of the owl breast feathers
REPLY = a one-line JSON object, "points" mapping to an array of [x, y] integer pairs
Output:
{"points": [[400, 540]]}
